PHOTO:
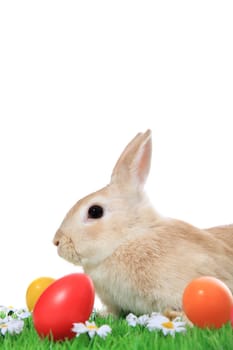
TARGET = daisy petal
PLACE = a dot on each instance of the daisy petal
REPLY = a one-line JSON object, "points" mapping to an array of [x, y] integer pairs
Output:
{"points": [[23, 314], [79, 328], [143, 320], [131, 320], [91, 333], [103, 331]]}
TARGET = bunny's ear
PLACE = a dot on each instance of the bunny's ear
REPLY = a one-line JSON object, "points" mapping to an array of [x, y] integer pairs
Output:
{"points": [[133, 166]]}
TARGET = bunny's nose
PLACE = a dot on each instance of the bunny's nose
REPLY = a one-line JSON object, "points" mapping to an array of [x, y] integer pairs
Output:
{"points": [[57, 238]]}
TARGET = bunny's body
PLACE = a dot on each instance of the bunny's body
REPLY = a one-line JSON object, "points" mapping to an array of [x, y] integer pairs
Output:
{"points": [[139, 261]]}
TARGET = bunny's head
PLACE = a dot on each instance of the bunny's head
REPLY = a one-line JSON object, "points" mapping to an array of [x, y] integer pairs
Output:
{"points": [[97, 224]]}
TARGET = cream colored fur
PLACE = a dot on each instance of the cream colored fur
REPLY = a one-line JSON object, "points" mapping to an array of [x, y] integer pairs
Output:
{"points": [[138, 260]]}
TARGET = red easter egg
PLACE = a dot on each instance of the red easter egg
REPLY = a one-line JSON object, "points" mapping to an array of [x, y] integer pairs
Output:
{"points": [[68, 300], [207, 302]]}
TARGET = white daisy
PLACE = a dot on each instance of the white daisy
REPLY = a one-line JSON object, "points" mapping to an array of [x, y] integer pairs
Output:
{"points": [[91, 329], [7, 310], [133, 320], [143, 320], [22, 314], [160, 322], [13, 326]]}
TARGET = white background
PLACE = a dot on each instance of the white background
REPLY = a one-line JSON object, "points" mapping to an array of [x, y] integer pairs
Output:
{"points": [[78, 79]]}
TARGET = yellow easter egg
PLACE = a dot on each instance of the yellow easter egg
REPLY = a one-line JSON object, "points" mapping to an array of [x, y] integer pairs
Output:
{"points": [[35, 289]]}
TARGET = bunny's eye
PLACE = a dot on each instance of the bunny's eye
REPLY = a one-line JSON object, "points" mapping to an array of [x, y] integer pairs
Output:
{"points": [[95, 212]]}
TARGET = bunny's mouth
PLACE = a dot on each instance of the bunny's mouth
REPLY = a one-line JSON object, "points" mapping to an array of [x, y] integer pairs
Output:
{"points": [[67, 251]]}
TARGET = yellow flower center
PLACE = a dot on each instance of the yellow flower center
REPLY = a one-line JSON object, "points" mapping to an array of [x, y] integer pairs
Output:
{"points": [[3, 325], [92, 327], [168, 324]]}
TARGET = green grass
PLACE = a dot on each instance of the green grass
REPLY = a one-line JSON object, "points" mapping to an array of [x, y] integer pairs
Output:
{"points": [[124, 337]]}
